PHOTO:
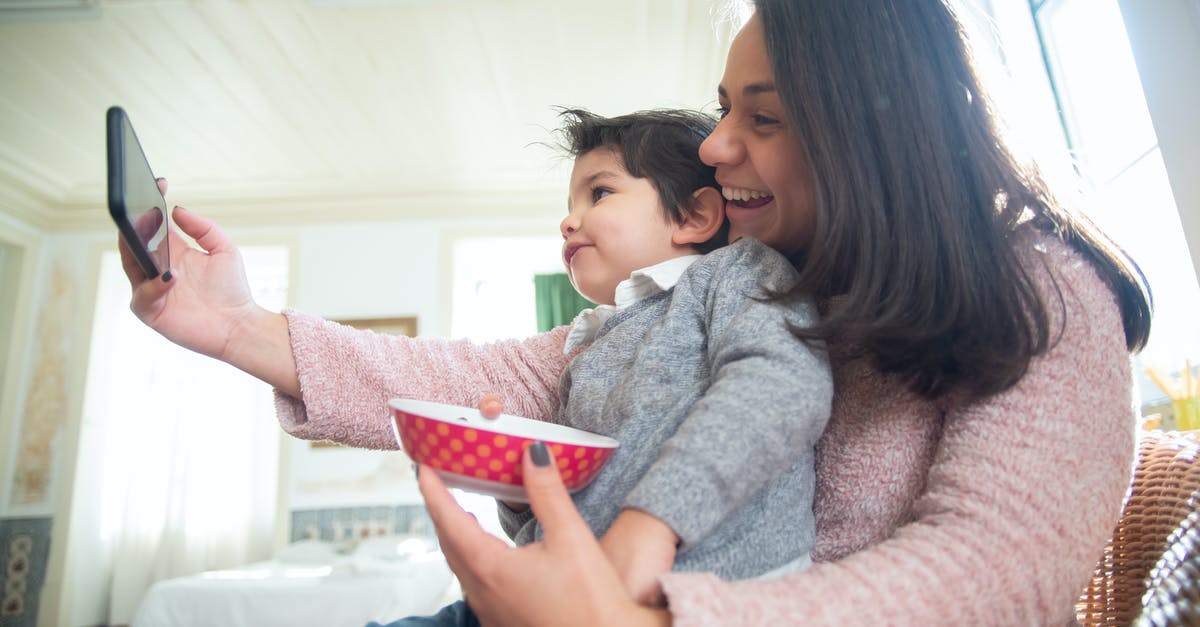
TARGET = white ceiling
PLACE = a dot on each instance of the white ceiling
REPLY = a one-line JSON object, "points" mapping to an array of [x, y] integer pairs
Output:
{"points": [[279, 110]]}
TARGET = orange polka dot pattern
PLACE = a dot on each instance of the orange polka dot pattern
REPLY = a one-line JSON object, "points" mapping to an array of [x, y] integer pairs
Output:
{"points": [[472, 452]]}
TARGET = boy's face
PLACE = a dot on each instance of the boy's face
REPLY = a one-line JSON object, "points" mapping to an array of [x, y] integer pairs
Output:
{"points": [[615, 225]]}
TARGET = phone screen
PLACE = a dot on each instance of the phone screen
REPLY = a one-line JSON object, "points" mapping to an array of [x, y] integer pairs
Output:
{"points": [[135, 203]]}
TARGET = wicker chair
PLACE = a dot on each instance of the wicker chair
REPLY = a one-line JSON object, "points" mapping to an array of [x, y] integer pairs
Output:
{"points": [[1174, 596], [1150, 570]]}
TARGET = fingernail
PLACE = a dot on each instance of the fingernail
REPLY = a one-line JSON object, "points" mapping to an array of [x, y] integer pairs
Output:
{"points": [[416, 469], [539, 454], [167, 276]]}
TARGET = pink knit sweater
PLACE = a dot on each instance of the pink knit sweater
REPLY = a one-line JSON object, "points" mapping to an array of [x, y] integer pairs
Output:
{"points": [[991, 513]]}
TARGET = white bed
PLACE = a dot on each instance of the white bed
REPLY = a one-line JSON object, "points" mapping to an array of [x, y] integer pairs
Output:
{"points": [[309, 583]]}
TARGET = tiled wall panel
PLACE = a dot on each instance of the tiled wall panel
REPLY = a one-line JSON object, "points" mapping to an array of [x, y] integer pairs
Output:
{"points": [[24, 551]]}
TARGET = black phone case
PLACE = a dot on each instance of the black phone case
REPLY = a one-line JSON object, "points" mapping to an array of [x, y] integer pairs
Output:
{"points": [[116, 120]]}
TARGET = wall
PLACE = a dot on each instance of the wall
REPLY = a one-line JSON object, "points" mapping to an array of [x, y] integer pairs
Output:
{"points": [[24, 529], [21, 243], [1165, 38], [24, 551]]}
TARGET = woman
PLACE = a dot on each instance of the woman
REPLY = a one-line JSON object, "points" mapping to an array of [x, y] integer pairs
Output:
{"points": [[982, 432]]}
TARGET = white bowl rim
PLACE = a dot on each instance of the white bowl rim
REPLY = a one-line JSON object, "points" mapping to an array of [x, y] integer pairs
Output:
{"points": [[504, 424]]}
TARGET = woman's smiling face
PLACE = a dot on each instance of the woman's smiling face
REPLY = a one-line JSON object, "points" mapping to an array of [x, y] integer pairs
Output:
{"points": [[761, 164]]}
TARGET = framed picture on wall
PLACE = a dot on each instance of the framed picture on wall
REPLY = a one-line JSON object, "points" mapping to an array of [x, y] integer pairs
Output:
{"points": [[402, 325]]}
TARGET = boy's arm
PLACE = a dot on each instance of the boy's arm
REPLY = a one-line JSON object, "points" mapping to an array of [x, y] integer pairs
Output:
{"points": [[640, 547]]}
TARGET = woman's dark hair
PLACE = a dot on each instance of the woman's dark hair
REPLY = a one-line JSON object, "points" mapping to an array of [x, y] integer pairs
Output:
{"points": [[661, 145], [919, 199]]}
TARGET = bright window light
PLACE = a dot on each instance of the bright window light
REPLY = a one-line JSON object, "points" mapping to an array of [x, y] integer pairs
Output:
{"points": [[493, 299], [1129, 195], [493, 295], [184, 447], [1064, 74]]}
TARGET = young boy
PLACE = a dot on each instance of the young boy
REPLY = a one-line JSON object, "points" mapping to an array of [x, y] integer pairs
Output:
{"points": [[689, 363]]}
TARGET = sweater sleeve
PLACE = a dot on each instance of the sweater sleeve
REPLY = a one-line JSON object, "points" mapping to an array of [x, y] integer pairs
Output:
{"points": [[348, 375], [768, 398], [1023, 491]]}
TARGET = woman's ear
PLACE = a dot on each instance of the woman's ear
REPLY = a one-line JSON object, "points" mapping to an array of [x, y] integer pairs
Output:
{"points": [[705, 219]]}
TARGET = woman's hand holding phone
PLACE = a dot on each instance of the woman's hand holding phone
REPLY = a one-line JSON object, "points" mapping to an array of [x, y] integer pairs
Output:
{"points": [[206, 305]]}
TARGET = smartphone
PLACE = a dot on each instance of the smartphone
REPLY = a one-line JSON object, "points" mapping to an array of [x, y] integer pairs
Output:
{"points": [[134, 201]]}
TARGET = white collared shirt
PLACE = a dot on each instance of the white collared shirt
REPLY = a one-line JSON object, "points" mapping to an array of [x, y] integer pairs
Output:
{"points": [[641, 284]]}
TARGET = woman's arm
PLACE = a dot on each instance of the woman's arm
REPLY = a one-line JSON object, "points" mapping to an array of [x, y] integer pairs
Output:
{"points": [[1023, 491], [347, 375], [207, 307]]}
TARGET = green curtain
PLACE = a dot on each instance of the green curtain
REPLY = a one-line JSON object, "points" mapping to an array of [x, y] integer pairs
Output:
{"points": [[557, 300]]}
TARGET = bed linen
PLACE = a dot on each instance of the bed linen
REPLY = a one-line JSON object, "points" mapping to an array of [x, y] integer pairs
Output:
{"points": [[303, 588]]}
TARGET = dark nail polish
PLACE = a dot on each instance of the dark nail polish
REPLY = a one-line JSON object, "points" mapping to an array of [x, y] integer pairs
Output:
{"points": [[166, 277], [416, 470], [539, 454]]}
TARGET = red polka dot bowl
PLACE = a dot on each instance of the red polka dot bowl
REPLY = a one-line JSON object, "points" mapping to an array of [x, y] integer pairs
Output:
{"points": [[484, 455]]}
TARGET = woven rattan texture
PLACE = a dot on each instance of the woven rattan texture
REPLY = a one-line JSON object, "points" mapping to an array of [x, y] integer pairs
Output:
{"points": [[1174, 596], [1157, 527]]}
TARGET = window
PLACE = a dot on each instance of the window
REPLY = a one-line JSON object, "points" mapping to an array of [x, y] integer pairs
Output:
{"points": [[493, 299], [493, 294], [1112, 139], [178, 466]]}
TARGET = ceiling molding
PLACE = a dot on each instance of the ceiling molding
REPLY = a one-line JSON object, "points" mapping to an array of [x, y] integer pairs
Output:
{"points": [[256, 212], [20, 180], [25, 207], [48, 10]]}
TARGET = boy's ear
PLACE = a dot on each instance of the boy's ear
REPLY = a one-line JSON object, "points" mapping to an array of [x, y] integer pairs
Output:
{"points": [[705, 220]]}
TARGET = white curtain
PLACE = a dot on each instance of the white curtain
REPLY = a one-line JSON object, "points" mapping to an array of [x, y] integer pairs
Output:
{"points": [[187, 469]]}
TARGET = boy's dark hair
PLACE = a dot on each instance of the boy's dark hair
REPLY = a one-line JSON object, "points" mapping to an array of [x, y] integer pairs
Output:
{"points": [[661, 145]]}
